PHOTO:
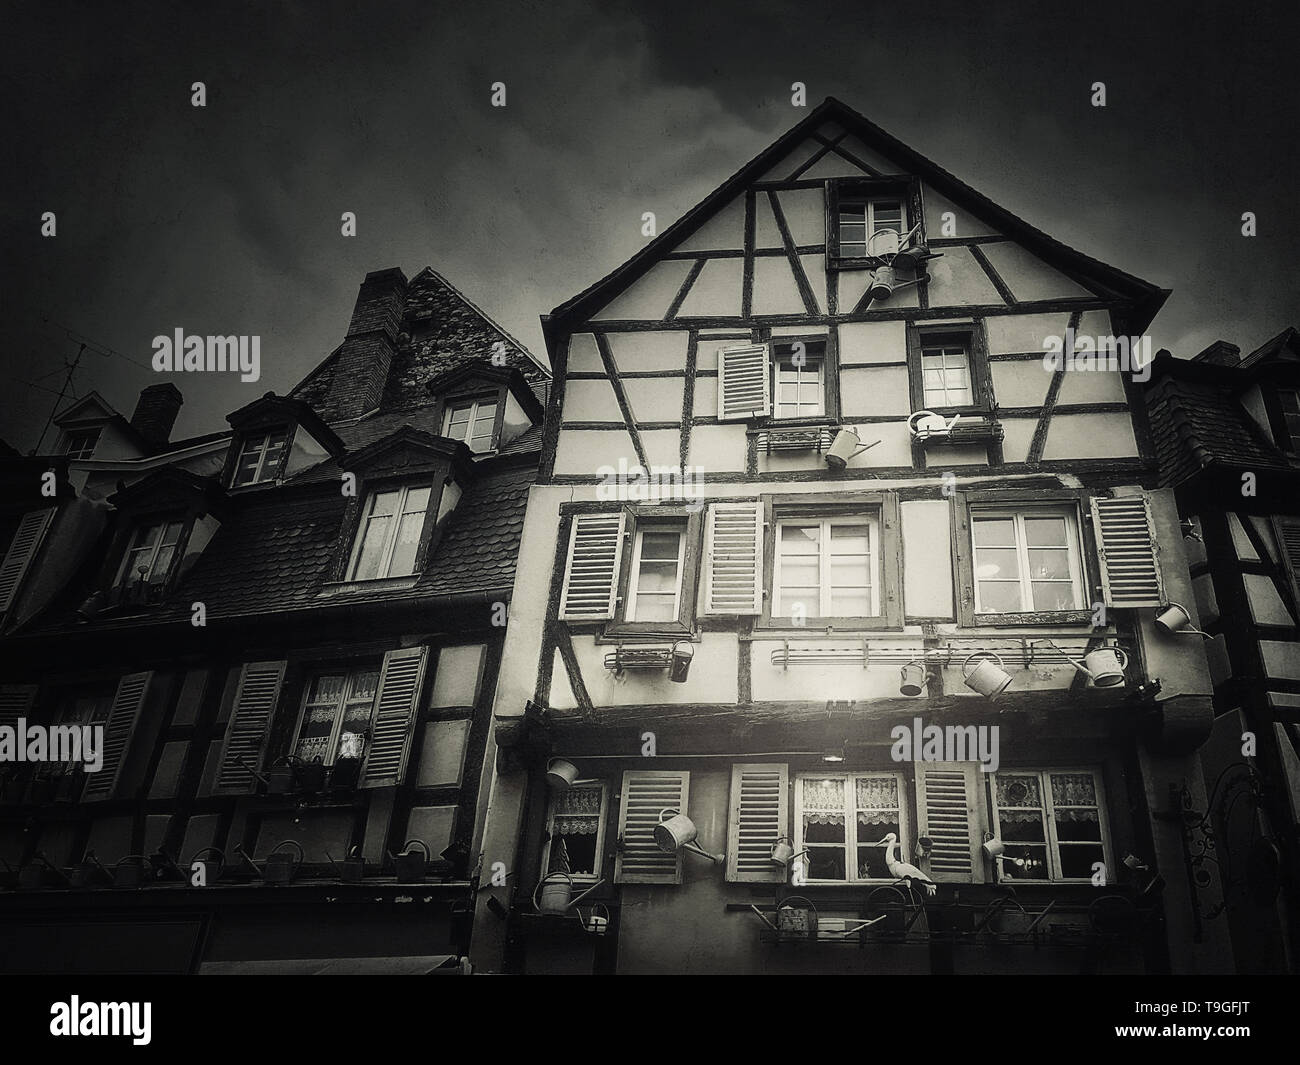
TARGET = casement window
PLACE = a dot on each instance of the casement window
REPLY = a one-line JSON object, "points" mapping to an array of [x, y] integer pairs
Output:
{"points": [[870, 226], [1026, 559], [261, 457], [951, 814], [123, 715], [842, 819], [22, 551], [80, 443], [799, 380], [828, 568], [655, 585], [388, 540], [473, 421], [150, 555], [644, 795], [80, 709], [1053, 821], [757, 818], [945, 373], [335, 716], [575, 831]]}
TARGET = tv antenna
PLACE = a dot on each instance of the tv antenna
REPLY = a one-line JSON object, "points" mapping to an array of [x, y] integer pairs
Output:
{"points": [[84, 344]]}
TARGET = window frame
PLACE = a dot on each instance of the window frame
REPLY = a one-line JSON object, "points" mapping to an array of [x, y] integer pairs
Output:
{"points": [[638, 517], [869, 191], [822, 373], [349, 671], [972, 336], [906, 828], [454, 403], [95, 432], [825, 558], [882, 510], [1049, 832], [178, 550], [263, 434], [1291, 440], [963, 552], [370, 494], [1024, 579], [602, 832]]}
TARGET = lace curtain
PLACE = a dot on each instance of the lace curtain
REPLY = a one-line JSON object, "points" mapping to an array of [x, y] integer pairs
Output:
{"points": [[1077, 790], [1022, 792], [577, 812], [1020, 797], [877, 799], [823, 802]]}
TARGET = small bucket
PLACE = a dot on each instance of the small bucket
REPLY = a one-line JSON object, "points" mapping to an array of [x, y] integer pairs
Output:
{"points": [[882, 283], [279, 779], [681, 663], [409, 865], [1106, 666]]}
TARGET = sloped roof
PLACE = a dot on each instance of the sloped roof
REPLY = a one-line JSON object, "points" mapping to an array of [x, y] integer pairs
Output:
{"points": [[1270, 348], [1148, 297]]}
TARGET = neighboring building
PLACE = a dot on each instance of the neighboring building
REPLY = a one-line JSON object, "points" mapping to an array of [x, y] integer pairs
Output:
{"points": [[1228, 436], [291, 632], [802, 576]]}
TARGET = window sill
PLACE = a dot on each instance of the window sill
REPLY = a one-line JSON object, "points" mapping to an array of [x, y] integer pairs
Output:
{"points": [[824, 628], [1044, 617], [649, 632]]}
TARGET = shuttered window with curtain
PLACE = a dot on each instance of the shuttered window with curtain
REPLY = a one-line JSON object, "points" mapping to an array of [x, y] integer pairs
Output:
{"points": [[576, 827]]}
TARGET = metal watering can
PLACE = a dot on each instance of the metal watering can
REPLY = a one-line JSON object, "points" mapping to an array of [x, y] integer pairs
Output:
{"points": [[677, 832], [352, 869], [555, 891], [1104, 666], [409, 865], [280, 866], [931, 424]]}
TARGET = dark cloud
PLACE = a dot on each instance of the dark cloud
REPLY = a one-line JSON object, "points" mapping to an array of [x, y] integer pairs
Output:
{"points": [[226, 219]]}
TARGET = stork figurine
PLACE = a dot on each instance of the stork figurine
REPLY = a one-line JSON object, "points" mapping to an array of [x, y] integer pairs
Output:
{"points": [[904, 870]]}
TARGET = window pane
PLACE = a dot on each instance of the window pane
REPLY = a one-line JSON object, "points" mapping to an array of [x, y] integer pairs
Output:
{"points": [[1056, 596], [847, 539], [871, 858], [1045, 532], [371, 549], [997, 563], [1077, 861], [660, 545], [1049, 563], [408, 543], [417, 501], [800, 539], [999, 597], [850, 605], [994, 532], [384, 503]]}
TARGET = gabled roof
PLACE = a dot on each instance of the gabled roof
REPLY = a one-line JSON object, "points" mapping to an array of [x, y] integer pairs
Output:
{"points": [[481, 370], [1286, 341], [271, 406], [1147, 297], [90, 407]]}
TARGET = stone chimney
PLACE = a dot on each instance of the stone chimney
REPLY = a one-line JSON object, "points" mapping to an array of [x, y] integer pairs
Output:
{"points": [[155, 413], [361, 370], [1220, 353]]}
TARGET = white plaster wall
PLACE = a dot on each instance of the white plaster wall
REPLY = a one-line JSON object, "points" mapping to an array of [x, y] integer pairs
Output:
{"points": [[775, 290], [590, 401], [873, 342], [1281, 660], [716, 292], [1266, 606], [957, 279], [1077, 436], [936, 205], [724, 231], [874, 391], [648, 297], [587, 450], [653, 350], [654, 399], [712, 678], [1028, 277], [1020, 383], [1010, 334]]}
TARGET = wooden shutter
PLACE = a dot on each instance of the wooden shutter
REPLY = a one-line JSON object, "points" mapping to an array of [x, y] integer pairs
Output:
{"points": [[950, 811], [118, 729], [1126, 545], [400, 683], [1288, 549], [591, 573], [16, 700], [733, 563], [645, 794], [250, 718], [744, 383], [22, 549], [758, 816]]}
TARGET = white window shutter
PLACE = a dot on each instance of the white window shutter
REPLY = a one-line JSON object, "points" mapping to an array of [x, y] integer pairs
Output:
{"points": [[250, 718], [758, 817], [733, 566], [16, 700], [1130, 557], [744, 383], [400, 682], [950, 811], [645, 794], [1288, 549], [591, 573], [118, 729], [22, 550]]}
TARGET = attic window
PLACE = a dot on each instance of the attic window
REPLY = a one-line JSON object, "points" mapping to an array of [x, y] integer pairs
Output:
{"points": [[261, 457], [150, 556], [473, 421], [860, 222], [388, 541], [80, 443]]}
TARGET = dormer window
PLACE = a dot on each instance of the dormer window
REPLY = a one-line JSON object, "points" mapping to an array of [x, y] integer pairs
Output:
{"points": [[149, 558], [388, 540], [472, 421], [260, 457], [80, 443]]}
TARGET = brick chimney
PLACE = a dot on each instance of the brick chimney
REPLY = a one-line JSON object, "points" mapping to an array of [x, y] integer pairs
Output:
{"points": [[1220, 353], [155, 413], [361, 370]]}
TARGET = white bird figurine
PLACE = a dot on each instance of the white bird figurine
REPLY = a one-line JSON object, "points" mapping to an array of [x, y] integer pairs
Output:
{"points": [[904, 870]]}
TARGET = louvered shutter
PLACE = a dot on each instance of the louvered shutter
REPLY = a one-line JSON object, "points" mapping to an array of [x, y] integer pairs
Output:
{"points": [[250, 718], [1288, 542], [22, 549], [1126, 544], [400, 683], [758, 814], [645, 794], [744, 383], [733, 559], [591, 573], [950, 811], [16, 700], [118, 729]]}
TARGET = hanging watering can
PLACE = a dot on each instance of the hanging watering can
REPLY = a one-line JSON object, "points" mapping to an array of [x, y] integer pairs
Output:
{"points": [[931, 424], [560, 774], [782, 851], [681, 662], [882, 283], [845, 446], [597, 922], [677, 832], [1176, 620], [1104, 666], [309, 776], [409, 865], [281, 866], [553, 893], [798, 920], [988, 678], [352, 869], [212, 861], [130, 871], [279, 778], [912, 682]]}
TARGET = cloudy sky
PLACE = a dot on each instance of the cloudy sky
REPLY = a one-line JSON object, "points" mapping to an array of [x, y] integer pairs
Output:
{"points": [[226, 219]]}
